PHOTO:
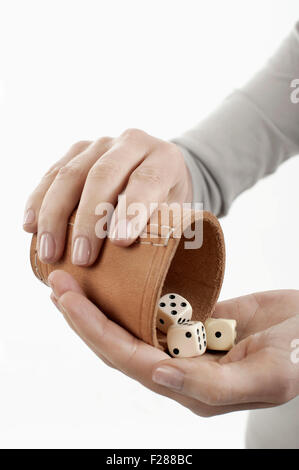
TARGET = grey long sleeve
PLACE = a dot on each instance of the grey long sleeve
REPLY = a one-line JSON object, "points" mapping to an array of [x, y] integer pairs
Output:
{"points": [[253, 131]]}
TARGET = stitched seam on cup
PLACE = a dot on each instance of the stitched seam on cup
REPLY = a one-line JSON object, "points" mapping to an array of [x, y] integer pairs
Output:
{"points": [[160, 268], [145, 290], [148, 323], [138, 241], [170, 232], [143, 308]]}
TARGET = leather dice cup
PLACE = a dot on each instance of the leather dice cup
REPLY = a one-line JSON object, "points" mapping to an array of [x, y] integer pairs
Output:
{"points": [[126, 283]]}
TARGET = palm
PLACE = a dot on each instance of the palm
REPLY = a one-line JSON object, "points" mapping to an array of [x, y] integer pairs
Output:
{"points": [[257, 313], [255, 373]]}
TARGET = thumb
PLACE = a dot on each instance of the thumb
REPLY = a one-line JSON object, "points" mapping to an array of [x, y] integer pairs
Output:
{"points": [[214, 383]]}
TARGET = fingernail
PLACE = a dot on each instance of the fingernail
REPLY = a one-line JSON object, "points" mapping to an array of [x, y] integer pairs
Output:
{"points": [[169, 377], [81, 251], [29, 217], [123, 230], [46, 247]]}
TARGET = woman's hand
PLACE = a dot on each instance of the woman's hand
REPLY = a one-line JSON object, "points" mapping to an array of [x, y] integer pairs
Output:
{"points": [[147, 169], [258, 372]]}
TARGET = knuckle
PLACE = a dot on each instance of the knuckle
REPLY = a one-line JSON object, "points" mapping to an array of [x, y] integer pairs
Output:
{"points": [[49, 213], [173, 153], [35, 197], [51, 173], [85, 220], [146, 174], [104, 169], [133, 134], [104, 142], [129, 359], [70, 171], [77, 147], [44, 216]]}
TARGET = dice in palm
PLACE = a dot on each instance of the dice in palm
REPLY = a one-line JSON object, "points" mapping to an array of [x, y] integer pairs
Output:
{"points": [[187, 340], [172, 309], [221, 333]]}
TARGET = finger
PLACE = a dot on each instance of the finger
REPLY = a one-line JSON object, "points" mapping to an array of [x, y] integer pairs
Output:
{"points": [[104, 183], [216, 384], [60, 282], [148, 186], [35, 200], [61, 199]]}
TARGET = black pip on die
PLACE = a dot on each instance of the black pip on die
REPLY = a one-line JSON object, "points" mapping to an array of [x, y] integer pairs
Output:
{"points": [[187, 340], [173, 309]]}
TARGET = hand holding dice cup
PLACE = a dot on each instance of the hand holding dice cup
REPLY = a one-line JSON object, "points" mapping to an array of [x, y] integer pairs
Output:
{"points": [[108, 293], [125, 283]]}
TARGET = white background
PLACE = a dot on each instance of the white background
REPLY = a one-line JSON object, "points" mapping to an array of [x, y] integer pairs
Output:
{"points": [[71, 70]]}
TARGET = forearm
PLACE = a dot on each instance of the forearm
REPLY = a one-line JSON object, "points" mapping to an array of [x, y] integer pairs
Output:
{"points": [[253, 131]]}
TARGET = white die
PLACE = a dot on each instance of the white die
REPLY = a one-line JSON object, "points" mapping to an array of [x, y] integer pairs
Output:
{"points": [[187, 340], [221, 333], [172, 309]]}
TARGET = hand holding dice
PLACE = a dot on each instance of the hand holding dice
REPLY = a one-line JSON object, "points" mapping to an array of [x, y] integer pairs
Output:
{"points": [[186, 338]]}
